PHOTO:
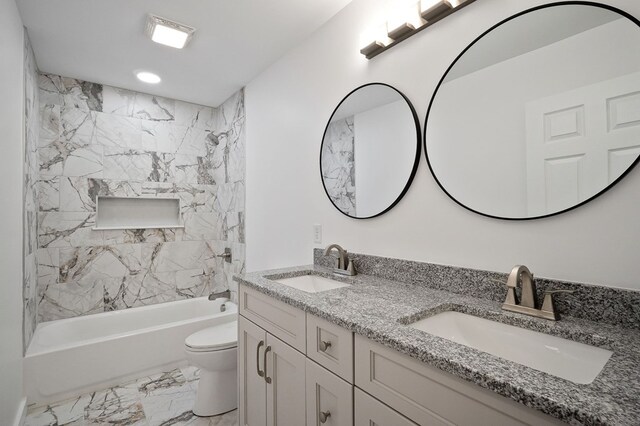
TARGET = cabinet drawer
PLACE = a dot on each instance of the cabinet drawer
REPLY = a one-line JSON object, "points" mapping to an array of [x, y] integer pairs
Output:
{"points": [[281, 320], [330, 346], [329, 398], [429, 396], [369, 411]]}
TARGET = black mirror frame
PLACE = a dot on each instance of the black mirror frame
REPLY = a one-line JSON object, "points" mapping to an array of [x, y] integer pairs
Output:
{"points": [[426, 123], [416, 160]]}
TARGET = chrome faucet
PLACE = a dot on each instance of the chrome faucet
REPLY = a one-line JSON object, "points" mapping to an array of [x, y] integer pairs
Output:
{"points": [[520, 276], [345, 265]]}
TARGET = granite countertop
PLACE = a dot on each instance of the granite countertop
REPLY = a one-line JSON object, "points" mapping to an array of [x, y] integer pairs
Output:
{"points": [[378, 308]]}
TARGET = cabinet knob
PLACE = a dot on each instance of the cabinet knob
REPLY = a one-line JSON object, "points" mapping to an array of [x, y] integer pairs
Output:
{"points": [[324, 345], [324, 415]]}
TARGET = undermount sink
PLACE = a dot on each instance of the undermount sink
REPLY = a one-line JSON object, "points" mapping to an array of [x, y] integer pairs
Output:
{"points": [[312, 283], [577, 362]]}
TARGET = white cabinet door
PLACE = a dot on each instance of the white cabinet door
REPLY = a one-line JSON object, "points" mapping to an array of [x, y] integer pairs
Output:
{"points": [[285, 377], [580, 141], [329, 398], [253, 388]]}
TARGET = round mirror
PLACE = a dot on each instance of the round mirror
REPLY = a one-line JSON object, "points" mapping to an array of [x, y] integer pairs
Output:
{"points": [[370, 151], [540, 114]]}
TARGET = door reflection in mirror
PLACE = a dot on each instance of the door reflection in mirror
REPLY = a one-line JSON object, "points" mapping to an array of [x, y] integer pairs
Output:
{"points": [[540, 114]]}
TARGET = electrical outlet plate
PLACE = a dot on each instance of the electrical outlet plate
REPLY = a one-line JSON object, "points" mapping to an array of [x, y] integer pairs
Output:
{"points": [[317, 234]]}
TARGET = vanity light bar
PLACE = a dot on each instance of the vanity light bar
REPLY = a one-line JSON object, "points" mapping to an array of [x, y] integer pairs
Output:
{"points": [[430, 12], [402, 31], [372, 49]]}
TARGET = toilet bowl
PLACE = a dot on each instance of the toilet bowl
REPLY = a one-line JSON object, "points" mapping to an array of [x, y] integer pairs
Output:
{"points": [[214, 351]]}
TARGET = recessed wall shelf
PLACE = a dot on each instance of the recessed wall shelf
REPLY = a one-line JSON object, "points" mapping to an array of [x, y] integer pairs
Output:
{"points": [[137, 213]]}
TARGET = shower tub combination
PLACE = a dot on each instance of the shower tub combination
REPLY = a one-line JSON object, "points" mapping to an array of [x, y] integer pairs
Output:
{"points": [[77, 355]]}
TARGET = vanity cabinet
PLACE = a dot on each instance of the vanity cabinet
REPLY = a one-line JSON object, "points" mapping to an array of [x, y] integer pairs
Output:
{"points": [[279, 385], [329, 398], [297, 369], [272, 379], [330, 346], [252, 387], [281, 320], [369, 411], [429, 396]]}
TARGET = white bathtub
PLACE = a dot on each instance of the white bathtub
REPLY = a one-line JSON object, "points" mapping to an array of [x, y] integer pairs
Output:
{"points": [[72, 356]]}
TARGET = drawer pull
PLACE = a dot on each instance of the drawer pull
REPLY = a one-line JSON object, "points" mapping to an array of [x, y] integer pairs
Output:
{"points": [[266, 377], [324, 345], [260, 373], [324, 415]]}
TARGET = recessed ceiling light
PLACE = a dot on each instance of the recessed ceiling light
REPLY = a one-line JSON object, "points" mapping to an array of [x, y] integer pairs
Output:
{"points": [[169, 33], [148, 77]]}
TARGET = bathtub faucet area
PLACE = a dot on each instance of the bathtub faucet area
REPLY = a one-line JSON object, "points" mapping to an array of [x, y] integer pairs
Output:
{"points": [[222, 294]]}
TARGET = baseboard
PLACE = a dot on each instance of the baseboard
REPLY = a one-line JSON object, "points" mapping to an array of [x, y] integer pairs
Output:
{"points": [[21, 415]]}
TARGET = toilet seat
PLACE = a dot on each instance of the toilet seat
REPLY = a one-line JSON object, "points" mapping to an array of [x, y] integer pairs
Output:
{"points": [[216, 338]]}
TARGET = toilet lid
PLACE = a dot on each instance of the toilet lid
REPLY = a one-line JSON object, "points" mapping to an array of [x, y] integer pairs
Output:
{"points": [[222, 336]]}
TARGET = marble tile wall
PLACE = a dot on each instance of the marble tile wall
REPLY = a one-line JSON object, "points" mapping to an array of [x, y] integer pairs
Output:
{"points": [[338, 165], [29, 192], [100, 140]]}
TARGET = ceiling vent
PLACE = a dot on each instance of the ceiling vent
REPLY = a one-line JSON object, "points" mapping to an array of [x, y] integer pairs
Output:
{"points": [[169, 33]]}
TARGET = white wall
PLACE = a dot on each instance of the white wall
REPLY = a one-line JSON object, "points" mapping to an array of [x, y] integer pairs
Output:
{"points": [[383, 155], [11, 161], [287, 109]]}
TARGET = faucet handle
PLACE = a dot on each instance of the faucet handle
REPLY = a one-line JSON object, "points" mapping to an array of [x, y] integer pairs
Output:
{"points": [[351, 268], [548, 303]]}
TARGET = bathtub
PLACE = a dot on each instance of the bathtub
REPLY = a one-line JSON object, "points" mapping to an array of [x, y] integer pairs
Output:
{"points": [[77, 355]]}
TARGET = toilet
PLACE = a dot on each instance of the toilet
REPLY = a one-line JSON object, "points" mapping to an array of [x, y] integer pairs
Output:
{"points": [[214, 351]]}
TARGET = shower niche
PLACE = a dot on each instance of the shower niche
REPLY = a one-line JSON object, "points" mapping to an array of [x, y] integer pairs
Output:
{"points": [[137, 213]]}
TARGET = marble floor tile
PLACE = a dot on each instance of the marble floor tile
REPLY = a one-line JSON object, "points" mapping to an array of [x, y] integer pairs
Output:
{"points": [[118, 405], [170, 405], [69, 412], [163, 399], [227, 419], [190, 373]]}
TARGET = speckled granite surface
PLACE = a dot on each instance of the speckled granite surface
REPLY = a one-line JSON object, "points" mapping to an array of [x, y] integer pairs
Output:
{"points": [[596, 303], [378, 308]]}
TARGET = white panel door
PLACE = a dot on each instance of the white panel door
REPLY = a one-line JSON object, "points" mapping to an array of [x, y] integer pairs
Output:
{"points": [[285, 376], [253, 388], [580, 141]]}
